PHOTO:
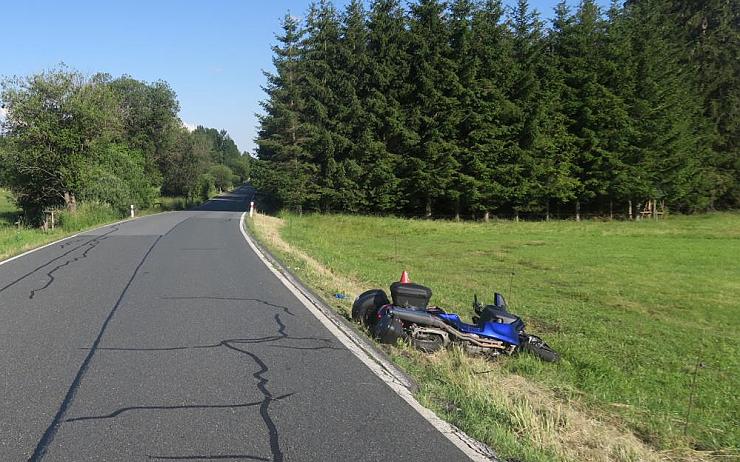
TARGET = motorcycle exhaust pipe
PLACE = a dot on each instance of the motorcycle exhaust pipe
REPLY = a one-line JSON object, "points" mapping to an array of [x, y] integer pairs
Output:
{"points": [[417, 317], [425, 319]]}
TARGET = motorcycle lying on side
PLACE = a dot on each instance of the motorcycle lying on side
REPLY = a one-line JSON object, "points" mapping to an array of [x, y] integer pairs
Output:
{"points": [[408, 316]]}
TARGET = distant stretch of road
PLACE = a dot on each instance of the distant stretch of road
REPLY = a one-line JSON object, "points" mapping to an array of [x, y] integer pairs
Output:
{"points": [[167, 338]]}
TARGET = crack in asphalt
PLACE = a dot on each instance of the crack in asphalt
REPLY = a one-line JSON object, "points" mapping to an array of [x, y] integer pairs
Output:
{"points": [[262, 381], [230, 299], [237, 341], [50, 274], [51, 430], [70, 242], [48, 437], [123, 410], [282, 335], [208, 457], [277, 454], [16, 281], [286, 347]]}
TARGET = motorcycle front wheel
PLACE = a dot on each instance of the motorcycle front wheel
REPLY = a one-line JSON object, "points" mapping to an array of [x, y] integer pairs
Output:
{"points": [[539, 348]]}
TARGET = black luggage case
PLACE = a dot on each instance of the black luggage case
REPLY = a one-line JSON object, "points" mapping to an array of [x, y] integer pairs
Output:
{"points": [[410, 294]]}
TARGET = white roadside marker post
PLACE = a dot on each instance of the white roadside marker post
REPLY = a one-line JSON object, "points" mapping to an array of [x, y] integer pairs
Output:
{"points": [[132, 210], [251, 208]]}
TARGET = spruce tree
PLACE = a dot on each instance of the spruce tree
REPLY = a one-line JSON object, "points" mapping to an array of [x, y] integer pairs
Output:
{"points": [[598, 116], [388, 137], [489, 122], [318, 86], [287, 172], [352, 117], [545, 146], [524, 170], [670, 136], [617, 74], [717, 59], [464, 187], [711, 31], [430, 165]]}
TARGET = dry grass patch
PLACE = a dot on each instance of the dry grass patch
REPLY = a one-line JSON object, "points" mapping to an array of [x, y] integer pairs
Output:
{"points": [[327, 282], [548, 425]]}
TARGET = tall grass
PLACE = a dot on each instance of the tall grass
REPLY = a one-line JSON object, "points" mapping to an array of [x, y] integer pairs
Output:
{"points": [[16, 238], [168, 203], [88, 214], [9, 213], [632, 306]]}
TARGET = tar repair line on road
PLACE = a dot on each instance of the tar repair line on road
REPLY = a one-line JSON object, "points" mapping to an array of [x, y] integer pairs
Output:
{"points": [[473, 448]]}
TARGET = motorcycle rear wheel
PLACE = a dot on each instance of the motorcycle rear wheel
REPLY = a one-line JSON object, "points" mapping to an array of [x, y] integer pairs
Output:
{"points": [[366, 306], [539, 348]]}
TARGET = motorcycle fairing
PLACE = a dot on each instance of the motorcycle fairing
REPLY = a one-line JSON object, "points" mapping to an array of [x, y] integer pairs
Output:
{"points": [[495, 330]]}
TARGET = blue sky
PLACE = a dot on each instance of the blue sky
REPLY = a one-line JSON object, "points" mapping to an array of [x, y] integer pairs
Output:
{"points": [[211, 53]]}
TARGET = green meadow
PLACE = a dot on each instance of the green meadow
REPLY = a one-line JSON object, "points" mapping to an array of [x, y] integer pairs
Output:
{"points": [[646, 315]]}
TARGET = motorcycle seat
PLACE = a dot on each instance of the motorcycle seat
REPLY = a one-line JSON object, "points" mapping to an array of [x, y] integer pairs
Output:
{"points": [[494, 314]]}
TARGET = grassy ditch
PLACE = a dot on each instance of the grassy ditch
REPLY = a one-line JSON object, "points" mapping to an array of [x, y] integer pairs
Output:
{"points": [[633, 307]]}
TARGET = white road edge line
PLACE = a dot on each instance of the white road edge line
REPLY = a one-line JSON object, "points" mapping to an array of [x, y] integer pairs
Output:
{"points": [[8, 260], [465, 443]]}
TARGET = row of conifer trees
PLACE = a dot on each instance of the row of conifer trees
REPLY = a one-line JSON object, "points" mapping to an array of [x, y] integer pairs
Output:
{"points": [[474, 108]]}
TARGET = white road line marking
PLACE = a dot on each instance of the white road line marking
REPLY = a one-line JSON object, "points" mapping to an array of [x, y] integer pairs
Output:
{"points": [[472, 448]]}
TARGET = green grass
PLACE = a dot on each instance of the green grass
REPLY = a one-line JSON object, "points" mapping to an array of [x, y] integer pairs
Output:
{"points": [[632, 307], [15, 240], [169, 203], [9, 213]]}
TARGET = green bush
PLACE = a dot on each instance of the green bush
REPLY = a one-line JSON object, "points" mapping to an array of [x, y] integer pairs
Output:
{"points": [[166, 203], [206, 186], [88, 214], [118, 178]]}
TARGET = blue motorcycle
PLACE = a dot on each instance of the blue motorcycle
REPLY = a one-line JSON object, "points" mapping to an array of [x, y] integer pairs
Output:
{"points": [[408, 316]]}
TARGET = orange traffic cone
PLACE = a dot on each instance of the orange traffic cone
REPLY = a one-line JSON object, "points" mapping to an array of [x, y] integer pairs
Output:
{"points": [[404, 278]]}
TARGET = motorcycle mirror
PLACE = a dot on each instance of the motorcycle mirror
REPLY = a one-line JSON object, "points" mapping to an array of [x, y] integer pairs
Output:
{"points": [[499, 301], [476, 304]]}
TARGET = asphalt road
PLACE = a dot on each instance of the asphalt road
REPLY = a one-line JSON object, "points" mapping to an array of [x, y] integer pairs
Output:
{"points": [[166, 338]]}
